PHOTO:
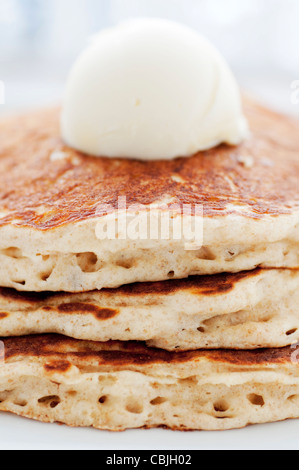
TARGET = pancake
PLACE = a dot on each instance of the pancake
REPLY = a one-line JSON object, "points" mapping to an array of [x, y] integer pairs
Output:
{"points": [[249, 310], [115, 386], [54, 202]]}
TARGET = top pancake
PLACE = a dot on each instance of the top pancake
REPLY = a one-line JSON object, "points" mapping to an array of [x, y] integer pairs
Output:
{"points": [[44, 194], [52, 199]]}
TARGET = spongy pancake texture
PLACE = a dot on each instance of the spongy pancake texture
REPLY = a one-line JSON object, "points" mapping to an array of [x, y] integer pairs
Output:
{"points": [[248, 310], [116, 386]]}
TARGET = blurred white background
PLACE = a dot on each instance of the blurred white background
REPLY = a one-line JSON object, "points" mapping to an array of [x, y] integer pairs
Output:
{"points": [[39, 39]]}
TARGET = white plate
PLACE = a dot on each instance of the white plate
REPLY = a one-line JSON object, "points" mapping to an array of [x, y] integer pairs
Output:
{"points": [[22, 434]]}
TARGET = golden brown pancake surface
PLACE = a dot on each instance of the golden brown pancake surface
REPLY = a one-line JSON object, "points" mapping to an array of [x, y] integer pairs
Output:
{"points": [[58, 348], [41, 192], [197, 285]]}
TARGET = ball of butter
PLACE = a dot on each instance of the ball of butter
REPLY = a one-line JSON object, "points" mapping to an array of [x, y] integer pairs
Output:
{"points": [[151, 89]]}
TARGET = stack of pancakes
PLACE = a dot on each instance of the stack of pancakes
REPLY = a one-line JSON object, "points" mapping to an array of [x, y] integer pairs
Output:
{"points": [[121, 334]]}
